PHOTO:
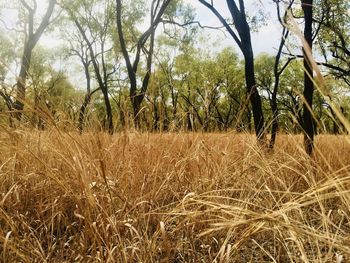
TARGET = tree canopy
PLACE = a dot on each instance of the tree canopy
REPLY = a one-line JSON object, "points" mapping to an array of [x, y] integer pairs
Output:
{"points": [[155, 65]]}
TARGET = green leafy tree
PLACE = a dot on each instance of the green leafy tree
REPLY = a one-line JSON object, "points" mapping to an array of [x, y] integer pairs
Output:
{"points": [[53, 96], [7, 55], [333, 40]]}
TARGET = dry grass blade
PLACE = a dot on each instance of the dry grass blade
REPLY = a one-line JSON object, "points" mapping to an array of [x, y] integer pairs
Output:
{"points": [[95, 197]]}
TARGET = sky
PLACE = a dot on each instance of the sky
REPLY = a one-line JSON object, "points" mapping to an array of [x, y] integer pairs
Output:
{"points": [[266, 39]]}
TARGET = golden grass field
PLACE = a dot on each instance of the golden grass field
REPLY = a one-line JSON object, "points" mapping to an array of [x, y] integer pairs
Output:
{"points": [[186, 197]]}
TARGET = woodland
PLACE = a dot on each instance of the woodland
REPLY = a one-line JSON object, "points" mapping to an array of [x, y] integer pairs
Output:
{"points": [[151, 131], [160, 77]]}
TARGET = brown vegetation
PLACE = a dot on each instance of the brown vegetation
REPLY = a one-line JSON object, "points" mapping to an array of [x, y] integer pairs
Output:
{"points": [[186, 197]]}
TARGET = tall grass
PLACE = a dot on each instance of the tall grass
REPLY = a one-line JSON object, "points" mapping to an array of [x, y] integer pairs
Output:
{"points": [[186, 197]]}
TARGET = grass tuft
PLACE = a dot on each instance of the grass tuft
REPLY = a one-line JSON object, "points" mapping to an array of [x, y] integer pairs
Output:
{"points": [[185, 197]]}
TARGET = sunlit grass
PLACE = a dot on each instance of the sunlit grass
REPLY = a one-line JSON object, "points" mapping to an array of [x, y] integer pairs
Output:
{"points": [[186, 197]]}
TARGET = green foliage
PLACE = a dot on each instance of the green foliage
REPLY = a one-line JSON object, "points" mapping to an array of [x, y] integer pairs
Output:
{"points": [[333, 40], [264, 65], [193, 86], [7, 56], [49, 89]]}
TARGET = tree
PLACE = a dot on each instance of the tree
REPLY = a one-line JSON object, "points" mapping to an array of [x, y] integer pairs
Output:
{"points": [[157, 10], [52, 94], [32, 37], [333, 37], [7, 55], [204, 89], [82, 52], [173, 58], [330, 23], [243, 40], [308, 122], [93, 22], [231, 107], [278, 70]]}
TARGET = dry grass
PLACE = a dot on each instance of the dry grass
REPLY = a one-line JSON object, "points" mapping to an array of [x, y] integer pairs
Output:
{"points": [[172, 198]]}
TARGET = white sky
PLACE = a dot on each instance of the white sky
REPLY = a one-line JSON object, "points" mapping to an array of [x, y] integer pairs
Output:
{"points": [[265, 40]]}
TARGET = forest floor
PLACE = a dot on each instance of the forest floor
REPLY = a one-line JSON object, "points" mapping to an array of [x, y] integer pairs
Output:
{"points": [[186, 197]]}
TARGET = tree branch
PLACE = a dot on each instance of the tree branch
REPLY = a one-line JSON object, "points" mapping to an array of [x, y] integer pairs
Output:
{"points": [[223, 21]]}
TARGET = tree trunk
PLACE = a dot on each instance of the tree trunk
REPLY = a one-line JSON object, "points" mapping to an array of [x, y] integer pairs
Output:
{"points": [[245, 45], [254, 97], [136, 96], [21, 81], [156, 119], [87, 98], [82, 111], [277, 73], [110, 126], [174, 98], [308, 124], [136, 100], [274, 126], [32, 39], [249, 118], [103, 85], [243, 40]]}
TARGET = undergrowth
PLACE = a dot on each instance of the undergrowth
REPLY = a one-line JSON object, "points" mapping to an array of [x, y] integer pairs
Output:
{"points": [[186, 197]]}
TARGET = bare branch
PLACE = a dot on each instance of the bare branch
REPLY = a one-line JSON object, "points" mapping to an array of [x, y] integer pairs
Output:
{"points": [[223, 21]]}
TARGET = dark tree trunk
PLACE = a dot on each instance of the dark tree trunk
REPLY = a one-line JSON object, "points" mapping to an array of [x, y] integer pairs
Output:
{"points": [[9, 104], [308, 123], [102, 83], [109, 125], [136, 96], [129, 66], [249, 119], [335, 127], [243, 40], [82, 111], [156, 115], [254, 97], [136, 100], [189, 121], [164, 112], [243, 30], [122, 113], [274, 125], [174, 99], [277, 73], [88, 94]]}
